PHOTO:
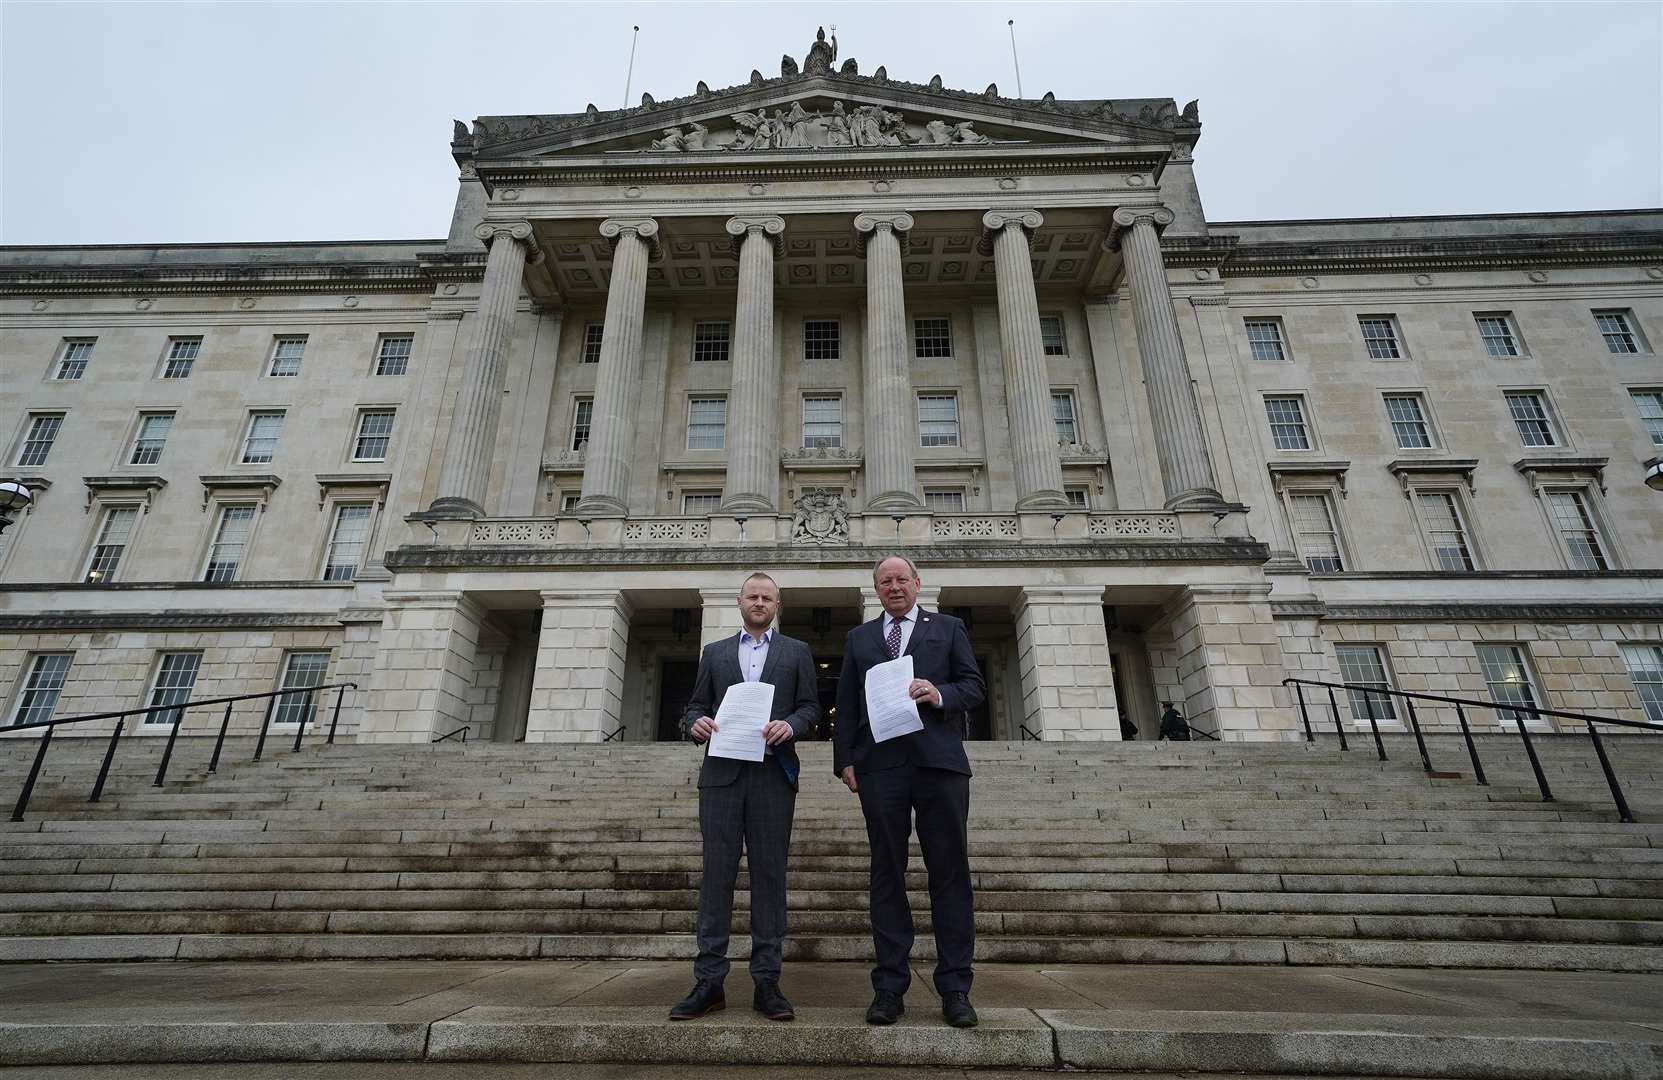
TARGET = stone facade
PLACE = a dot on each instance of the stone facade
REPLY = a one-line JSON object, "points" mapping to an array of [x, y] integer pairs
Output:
{"points": [[516, 474]]}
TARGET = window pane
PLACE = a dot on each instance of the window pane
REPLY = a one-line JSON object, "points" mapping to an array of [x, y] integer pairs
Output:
{"points": [[225, 556], [1530, 416], [37, 443], [1645, 667], [1444, 531], [1618, 335], [944, 501], [820, 339], [1077, 496], [393, 357], [592, 335], [375, 430], [1362, 664], [346, 543], [822, 422], [1050, 332], [1380, 335], [1264, 338], [1509, 682], [1313, 526], [1576, 530], [285, 356], [1062, 412], [263, 429], [1287, 423], [1650, 404], [938, 419], [707, 422], [114, 533], [40, 693], [710, 342], [931, 338], [583, 415], [1497, 333], [302, 670], [1408, 422], [175, 679], [181, 357], [73, 364], [152, 436], [698, 503]]}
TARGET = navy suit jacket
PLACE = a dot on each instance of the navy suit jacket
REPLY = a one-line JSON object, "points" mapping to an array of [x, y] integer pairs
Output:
{"points": [[940, 651], [796, 699]]}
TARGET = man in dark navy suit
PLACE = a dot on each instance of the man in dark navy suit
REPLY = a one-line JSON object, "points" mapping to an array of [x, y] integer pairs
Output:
{"points": [[925, 772], [748, 804]]}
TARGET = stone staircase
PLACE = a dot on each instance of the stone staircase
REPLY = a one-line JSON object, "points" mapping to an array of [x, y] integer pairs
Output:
{"points": [[1200, 853]]}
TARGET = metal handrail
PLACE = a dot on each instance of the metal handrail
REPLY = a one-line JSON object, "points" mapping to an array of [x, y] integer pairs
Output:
{"points": [[462, 731], [1501, 708], [613, 734], [179, 708], [1026, 734]]}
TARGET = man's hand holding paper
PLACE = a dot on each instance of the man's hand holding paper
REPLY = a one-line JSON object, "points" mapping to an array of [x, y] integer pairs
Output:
{"points": [[890, 708], [743, 714]]}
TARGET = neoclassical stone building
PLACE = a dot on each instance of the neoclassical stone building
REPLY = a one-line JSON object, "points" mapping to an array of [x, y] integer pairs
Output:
{"points": [[511, 478]]}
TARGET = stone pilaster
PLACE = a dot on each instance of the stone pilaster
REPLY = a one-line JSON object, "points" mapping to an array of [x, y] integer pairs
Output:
{"points": [[891, 434], [1186, 470], [618, 380], [1062, 649], [423, 668], [577, 690], [1230, 665], [1038, 464], [719, 615], [753, 405], [473, 425]]}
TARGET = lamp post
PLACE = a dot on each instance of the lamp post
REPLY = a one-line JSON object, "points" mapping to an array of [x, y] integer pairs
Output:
{"points": [[14, 496]]}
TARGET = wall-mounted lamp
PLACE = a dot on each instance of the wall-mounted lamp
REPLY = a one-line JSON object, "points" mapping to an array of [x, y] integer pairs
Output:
{"points": [[821, 620], [1654, 474], [681, 621]]}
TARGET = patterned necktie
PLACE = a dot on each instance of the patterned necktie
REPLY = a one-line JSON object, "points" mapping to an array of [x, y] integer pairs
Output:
{"points": [[893, 639]]}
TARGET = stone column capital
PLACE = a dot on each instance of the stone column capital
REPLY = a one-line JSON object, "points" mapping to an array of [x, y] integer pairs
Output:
{"points": [[643, 228], [994, 221], [519, 231], [869, 224], [1157, 217], [771, 226]]}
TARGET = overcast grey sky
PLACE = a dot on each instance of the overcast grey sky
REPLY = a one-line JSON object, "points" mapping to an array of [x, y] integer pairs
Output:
{"points": [[136, 122]]}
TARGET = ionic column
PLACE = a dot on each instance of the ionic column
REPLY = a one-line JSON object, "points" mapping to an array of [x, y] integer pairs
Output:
{"points": [[473, 426], [618, 380], [1180, 446], [1033, 431], [887, 388], [753, 404]]}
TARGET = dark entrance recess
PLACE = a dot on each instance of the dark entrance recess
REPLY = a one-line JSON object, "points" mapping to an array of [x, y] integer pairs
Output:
{"points": [[676, 679]]}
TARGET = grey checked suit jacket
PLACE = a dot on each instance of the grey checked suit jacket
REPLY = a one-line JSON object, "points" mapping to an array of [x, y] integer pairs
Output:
{"points": [[789, 667]]}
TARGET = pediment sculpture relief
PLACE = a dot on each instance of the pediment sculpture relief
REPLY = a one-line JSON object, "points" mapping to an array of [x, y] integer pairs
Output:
{"points": [[797, 128], [820, 517]]}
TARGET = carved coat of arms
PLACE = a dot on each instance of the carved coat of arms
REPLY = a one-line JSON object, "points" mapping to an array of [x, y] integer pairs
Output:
{"points": [[820, 517]]}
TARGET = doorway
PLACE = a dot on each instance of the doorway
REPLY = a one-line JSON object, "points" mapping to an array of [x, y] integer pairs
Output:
{"points": [[676, 679]]}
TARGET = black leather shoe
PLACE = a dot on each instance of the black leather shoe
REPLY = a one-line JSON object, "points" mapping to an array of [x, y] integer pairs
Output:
{"points": [[770, 1002], [705, 997], [956, 1009], [886, 1008]]}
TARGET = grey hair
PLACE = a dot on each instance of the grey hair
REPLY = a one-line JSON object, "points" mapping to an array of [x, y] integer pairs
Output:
{"points": [[879, 565]]}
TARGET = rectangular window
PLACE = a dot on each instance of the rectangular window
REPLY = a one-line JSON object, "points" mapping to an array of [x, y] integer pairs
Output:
{"points": [[569, 501], [38, 440], [707, 423], [1051, 335], [302, 671], [1618, 331], [261, 441], [938, 419], [1380, 335], [1497, 332], [1645, 667], [1314, 531], [700, 503], [225, 554], [392, 354], [592, 334], [151, 438], [175, 679], [1575, 525], [1409, 421], [711, 341], [1078, 496], [375, 431], [821, 339], [1530, 416], [285, 357], [40, 692], [1650, 404], [1264, 338], [73, 363], [1287, 423], [583, 417], [1062, 413], [181, 357], [944, 500], [115, 532], [1362, 666], [1508, 678], [1445, 534], [931, 338], [345, 553], [822, 421]]}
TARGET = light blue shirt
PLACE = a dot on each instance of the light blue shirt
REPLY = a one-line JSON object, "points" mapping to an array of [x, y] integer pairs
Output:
{"points": [[753, 653]]}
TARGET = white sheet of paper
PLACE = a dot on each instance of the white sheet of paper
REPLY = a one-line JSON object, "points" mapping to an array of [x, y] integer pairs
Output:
{"points": [[890, 710], [740, 719]]}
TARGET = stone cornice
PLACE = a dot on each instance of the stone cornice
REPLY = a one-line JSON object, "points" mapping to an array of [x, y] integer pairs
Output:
{"points": [[71, 621], [1401, 255], [1488, 612], [417, 558], [245, 279]]}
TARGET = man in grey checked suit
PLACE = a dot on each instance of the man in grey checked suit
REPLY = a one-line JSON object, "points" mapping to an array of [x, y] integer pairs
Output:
{"points": [[748, 803]]}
